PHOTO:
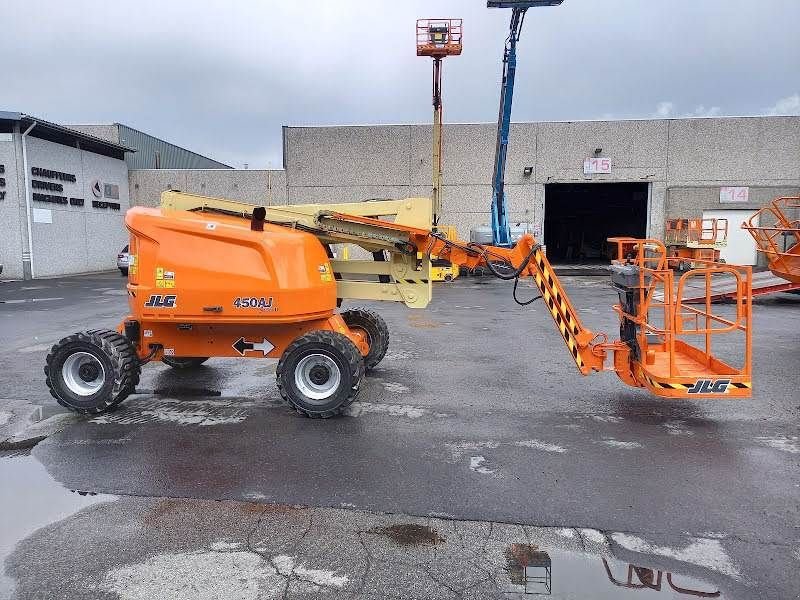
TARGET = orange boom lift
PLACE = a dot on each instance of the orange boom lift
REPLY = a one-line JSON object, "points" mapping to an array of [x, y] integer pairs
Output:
{"points": [[215, 278]]}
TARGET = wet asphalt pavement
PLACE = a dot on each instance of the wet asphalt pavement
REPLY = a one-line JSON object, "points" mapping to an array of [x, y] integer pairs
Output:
{"points": [[476, 418]]}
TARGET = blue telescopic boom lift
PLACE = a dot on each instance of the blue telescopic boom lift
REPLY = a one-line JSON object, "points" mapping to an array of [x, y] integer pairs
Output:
{"points": [[501, 232]]}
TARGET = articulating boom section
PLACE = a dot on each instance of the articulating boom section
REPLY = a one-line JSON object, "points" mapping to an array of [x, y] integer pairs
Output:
{"points": [[656, 327]]}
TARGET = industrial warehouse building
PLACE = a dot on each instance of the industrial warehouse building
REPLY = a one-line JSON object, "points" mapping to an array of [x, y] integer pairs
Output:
{"points": [[576, 183], [63, 197], [64, 192]]}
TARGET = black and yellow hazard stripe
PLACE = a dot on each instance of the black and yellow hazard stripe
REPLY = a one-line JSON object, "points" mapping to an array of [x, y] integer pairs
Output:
{"points": [[686, 386], [664, 385], [415, 281], [556, 303]]}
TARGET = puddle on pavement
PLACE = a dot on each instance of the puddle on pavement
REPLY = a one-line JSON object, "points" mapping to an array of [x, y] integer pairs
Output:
{"points": [[29, 300], [31, 499], [544, 571], [409, 534], [184, 392]]}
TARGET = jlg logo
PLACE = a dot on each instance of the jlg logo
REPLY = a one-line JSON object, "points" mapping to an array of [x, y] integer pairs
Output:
{"points": [[709, 386], [159, 301]]}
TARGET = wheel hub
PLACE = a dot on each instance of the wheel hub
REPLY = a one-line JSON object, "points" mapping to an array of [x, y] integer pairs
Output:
{"points": [[319, 374], [317, 377], [83, 373], [88, 371]]}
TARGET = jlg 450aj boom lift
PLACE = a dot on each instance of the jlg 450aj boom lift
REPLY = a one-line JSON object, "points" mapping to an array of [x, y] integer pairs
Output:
{"points": [[211, 277], [216, 278]]}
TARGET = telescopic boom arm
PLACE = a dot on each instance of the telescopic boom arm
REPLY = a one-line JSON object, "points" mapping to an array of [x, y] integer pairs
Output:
{"points": [[501, 232]]}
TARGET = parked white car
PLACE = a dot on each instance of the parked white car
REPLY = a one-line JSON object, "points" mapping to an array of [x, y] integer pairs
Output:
{"points": [[122, 261]]}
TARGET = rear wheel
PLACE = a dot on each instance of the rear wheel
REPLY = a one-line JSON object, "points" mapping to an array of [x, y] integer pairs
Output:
{"points": [[320, 373], [92, 371], [375, 329], [184, 362]]}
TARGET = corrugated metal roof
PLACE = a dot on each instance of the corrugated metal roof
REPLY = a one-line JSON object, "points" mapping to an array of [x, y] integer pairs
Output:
{"points": [[65, 131], [170, 156]]}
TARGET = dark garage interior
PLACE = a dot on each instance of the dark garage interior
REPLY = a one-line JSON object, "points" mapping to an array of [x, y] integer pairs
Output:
{"points": [[579, 217]]}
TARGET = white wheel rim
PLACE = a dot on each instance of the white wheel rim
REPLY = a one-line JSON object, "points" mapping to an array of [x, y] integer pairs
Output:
{"points": [[83, 373], [317, 376]]}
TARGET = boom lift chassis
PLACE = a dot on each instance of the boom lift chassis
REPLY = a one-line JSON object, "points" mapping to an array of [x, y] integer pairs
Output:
{"points": [[323, 351]]}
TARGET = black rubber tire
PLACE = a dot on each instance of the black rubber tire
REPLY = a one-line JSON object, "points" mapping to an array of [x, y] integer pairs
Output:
{"points": [[120, 365], [183, 362], [377, 333], [124, 272], [347, 358]]}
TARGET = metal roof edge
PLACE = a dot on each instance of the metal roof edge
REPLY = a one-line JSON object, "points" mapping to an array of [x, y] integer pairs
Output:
{"points": [[22, 117]]}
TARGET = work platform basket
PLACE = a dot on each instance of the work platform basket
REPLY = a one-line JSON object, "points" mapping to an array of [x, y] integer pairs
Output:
{"points": [[438, 37]]}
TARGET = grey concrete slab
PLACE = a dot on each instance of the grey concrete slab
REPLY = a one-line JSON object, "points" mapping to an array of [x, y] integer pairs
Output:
{"points": [[133, 547]]}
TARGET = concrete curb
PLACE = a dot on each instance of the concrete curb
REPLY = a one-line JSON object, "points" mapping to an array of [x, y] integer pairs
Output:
{"points": [[36, 432]]}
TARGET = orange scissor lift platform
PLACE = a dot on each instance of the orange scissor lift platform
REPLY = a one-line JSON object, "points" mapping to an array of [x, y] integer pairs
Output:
{"points": [[695, 239]]}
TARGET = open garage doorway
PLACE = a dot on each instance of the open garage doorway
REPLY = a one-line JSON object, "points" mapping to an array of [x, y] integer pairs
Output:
{"points": [[579, 217]]}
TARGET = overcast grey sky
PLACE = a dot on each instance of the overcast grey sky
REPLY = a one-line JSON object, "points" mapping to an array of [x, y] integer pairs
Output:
{"points": [[221, 77]]}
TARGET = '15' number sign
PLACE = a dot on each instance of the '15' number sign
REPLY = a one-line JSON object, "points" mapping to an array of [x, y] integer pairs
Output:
{"points": [[593, 166]]}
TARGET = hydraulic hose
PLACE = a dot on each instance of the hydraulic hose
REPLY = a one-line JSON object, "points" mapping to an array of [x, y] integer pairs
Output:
{"points": [[518, 271]]}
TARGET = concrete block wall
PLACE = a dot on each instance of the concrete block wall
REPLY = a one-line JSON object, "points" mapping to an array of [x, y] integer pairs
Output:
{"points": [[108, 132], [351, 164], [704, 154], [10, 223], [684, 161], [254, 186]]}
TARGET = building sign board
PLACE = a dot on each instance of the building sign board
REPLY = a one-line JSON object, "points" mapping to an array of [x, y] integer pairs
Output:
{"points": [[42, 215], [597, 166], [98, 189], [111, 190], [734, 194]]}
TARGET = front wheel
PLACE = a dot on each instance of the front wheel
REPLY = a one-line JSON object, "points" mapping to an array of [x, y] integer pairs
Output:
{"points": [[320, 373], [184, 362], [92, 371]]}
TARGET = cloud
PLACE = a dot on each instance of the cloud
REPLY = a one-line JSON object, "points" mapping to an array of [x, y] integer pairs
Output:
{"points": [[785, 106], [702, 111], [667, 110], [664, 110]]}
